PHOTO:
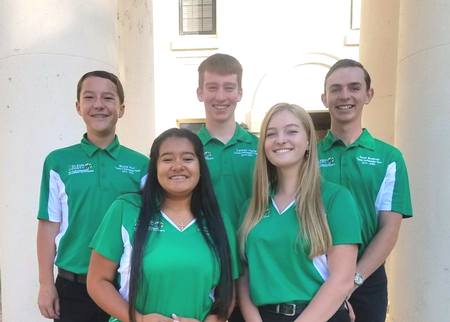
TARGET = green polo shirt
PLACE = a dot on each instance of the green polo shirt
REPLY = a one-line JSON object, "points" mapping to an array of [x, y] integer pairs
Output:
{"points": [[279, 269], [231, 166], [373, 171], [78, 185], [180, 271]]}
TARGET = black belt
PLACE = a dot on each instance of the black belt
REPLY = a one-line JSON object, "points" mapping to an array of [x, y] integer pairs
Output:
{"points": [[290, 309], [77, 278]]}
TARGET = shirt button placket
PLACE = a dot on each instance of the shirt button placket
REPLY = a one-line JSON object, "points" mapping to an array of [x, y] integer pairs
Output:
{"points": [[103, 184], [344, 166]]}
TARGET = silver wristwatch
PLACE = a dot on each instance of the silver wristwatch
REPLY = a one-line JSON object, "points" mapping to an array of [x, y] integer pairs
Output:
{"points": [[359, 279]]}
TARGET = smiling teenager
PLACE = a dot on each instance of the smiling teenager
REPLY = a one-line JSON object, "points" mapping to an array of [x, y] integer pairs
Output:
{"points": [[374, 172], [299, 236], [230, 150], [100, 107], [175, 256], [79, 183]]}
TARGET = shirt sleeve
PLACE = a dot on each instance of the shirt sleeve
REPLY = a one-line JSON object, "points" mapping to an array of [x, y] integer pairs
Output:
{"points": [[343, 219], [401, 198], [235, 259], [144, 170], [50, 206], [108, 240], [243, 212]]}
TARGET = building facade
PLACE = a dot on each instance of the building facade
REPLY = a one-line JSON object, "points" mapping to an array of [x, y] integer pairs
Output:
{"points": [[285, 48]]}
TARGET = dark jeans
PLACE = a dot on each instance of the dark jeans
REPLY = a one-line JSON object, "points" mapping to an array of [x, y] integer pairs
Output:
{"points": [[369, 301], [339, 316], [76, 304]]}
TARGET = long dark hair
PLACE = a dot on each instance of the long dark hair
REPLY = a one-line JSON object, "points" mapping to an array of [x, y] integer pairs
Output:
{"points": [[205, 209]]}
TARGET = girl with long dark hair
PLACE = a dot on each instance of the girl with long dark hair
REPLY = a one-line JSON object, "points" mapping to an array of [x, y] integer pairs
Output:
{"points": [[168, 244]]}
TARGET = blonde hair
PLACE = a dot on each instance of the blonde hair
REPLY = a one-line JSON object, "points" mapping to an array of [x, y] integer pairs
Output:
{"points": [[308, 198]]}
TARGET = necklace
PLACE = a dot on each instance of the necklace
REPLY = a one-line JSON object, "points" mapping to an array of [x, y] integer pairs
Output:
{"points": [[175, 219]]}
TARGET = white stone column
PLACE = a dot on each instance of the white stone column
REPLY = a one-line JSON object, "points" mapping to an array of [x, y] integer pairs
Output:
{"points": [[421, 280], [419, 267], [45, 47], [378, 54], [136, 61]]}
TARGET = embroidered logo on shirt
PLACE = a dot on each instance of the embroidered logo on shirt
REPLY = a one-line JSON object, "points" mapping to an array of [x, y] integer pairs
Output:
{"points": [[368, 160], [267, 213], [156, 226], [80, 168], [208, 155], [246, 152], [153, 225], [327, 162], [127, 169]]}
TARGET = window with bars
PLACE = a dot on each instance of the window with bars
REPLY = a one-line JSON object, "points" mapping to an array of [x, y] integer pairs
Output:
{"points": [[197, 17]]}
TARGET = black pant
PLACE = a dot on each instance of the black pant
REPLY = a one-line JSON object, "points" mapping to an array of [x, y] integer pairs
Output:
{"points": [[76, 304], [266, 316], [369, 301], [236, 316]]}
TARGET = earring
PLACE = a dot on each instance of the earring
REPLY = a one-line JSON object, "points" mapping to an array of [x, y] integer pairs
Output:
{"points": [[306, 154]]}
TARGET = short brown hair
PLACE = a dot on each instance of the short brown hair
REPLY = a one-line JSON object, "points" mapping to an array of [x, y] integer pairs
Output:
{"points": [[343, 63], [221, 64], [106, 75]]}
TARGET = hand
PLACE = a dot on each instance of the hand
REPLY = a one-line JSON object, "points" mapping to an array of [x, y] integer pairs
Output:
{"points": [[350, 311], [177, 318], [48, 301], [153, 317]]}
